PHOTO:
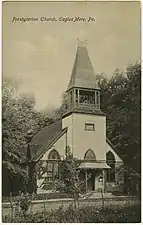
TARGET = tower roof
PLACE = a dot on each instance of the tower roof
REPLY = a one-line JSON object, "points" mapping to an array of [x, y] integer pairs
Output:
{"points": [[82, 74]]}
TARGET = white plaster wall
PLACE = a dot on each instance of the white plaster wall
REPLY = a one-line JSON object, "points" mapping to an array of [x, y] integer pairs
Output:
{"points": [[83, 139], [59, 145], [109, 148], [80, 140], [68, 122]]}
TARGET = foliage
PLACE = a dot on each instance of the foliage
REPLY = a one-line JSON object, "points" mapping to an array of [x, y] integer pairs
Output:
{"points": [[68, 181], [63, 108], [20, 122], [120, 100], [25, 202], [128, 214]]}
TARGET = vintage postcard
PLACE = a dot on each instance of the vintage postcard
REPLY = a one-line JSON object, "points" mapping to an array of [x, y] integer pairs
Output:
{"points": [[71, 112]]}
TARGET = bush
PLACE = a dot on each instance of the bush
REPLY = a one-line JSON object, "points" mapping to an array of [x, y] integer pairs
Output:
{"points": [[25, 203], [130, 214]]}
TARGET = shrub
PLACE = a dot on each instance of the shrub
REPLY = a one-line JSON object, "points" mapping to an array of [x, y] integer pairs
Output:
{"points": [[25, 203], [130, 214]]}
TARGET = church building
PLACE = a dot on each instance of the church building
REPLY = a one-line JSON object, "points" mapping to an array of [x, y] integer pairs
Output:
{"points": [[83, 129]]}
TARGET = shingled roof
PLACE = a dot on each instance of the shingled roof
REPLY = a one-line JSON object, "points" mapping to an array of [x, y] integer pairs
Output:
{"points": [[82, 74], [44, 139]]}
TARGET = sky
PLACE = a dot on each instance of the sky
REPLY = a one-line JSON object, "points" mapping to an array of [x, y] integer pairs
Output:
{"points": [[41, 54]]}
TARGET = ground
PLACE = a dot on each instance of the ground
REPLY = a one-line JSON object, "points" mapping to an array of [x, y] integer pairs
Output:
{"points": [[94, 201]]}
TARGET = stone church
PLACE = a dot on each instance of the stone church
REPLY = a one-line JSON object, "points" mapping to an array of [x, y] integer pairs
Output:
{"points": [[83, 129]]}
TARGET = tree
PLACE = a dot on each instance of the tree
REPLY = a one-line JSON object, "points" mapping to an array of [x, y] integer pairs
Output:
{"points": [[12, 172], [19, 118], [120, 100], [68, 181], [63, 108]]}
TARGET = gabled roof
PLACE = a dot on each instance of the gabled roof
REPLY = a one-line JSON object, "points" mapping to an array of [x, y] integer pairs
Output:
{"points": [[82, 74], [113, 147], [44, 139]]}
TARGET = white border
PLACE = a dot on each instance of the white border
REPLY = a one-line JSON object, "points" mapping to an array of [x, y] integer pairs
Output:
{"points": [[1, 92]]}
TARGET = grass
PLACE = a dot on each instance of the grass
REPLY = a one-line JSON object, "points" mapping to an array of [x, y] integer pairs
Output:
{"points": [[88, 214]]}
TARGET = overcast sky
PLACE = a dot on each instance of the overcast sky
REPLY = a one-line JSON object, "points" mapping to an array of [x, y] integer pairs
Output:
{"points": [[42, 54]]}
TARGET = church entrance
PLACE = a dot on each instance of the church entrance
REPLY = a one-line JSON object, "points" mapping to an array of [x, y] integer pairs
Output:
{"points": [[88, 176], [90, 180], [93, 179]]}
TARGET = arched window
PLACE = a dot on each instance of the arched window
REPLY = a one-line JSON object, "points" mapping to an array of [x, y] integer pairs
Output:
{"points": [[89, 155], [54, 155], [110, 159], [53, 159]]}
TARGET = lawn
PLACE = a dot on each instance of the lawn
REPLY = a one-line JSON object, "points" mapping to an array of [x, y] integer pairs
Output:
{"points": [[87, 214]]}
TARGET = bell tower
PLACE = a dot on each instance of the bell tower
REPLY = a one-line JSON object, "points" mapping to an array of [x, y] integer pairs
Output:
{"points": [[83, 91], [84, 119]]}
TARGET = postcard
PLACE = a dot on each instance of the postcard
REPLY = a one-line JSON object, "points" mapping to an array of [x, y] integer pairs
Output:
{"points": [[71, 112]]}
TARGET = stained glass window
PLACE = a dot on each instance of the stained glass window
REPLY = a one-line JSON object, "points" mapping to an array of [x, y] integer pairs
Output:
{"points": [[89, 155], [53, 165], [54, 155], [110, 159], [50, 167]]}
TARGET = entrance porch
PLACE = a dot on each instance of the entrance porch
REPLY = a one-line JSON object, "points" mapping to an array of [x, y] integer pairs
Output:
{"points": [[94, 176]]}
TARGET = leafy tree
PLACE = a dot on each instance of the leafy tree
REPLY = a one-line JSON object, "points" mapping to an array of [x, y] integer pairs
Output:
{"points": [[11, 139], [120, 100], [68, 181], [63, 108], [20, 123]]}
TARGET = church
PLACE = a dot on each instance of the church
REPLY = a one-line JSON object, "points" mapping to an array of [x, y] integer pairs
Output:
{"points": [[83, 129]]}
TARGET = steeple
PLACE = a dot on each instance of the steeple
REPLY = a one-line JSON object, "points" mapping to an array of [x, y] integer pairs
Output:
{"points": [[83, 90], [83, 74]]}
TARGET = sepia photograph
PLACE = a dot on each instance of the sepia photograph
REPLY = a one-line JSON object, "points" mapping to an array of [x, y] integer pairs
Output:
{"points": [[71, 112]]}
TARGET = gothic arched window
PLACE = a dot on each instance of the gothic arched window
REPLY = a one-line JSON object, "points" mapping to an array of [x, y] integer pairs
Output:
{"points": [[110, 159], [53, 159], [54, 155], [89, 155]]}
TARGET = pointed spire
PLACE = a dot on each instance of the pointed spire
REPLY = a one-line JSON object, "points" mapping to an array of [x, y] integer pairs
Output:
{"points": [[82, 43], [82, 74]]}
